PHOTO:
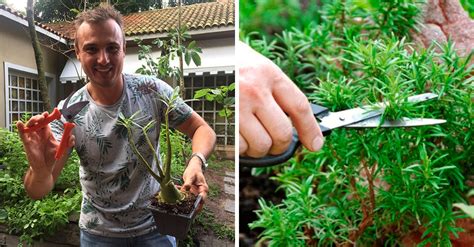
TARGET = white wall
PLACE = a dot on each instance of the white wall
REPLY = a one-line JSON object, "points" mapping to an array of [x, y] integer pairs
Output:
{"points": [[217, 55]]}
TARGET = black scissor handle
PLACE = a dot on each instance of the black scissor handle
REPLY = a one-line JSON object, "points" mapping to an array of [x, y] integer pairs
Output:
{"points": [[272, 160]]}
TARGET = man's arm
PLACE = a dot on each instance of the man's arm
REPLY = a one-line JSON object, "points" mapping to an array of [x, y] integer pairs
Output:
{"points": [[203, 141]]}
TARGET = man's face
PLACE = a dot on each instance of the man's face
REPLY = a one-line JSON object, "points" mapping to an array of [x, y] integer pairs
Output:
{"points": [[101, 51]]}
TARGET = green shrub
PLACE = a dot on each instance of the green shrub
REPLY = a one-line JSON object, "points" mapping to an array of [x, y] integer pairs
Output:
{"points": [[29, 218], [369, 186]]}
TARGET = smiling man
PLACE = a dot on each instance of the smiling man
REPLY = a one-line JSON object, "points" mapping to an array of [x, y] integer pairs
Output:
{"points": [[116, 189]]}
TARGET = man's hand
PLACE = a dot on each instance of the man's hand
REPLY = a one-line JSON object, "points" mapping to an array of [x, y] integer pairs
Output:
{"points": [[40, 147], [266, 96], [194, 180]]}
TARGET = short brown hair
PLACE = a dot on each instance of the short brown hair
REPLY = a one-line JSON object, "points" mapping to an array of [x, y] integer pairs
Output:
{"points": [[100, 14]]}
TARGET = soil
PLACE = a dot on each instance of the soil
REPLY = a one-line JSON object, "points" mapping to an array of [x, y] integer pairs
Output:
{"points": [[184, 207], [251, 189], [215, 205]]}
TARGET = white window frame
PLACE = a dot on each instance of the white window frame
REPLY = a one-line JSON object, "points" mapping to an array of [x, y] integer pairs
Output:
{"points": [[11, 66]]}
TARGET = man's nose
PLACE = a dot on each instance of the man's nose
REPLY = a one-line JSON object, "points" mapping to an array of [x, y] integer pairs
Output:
{"points": [[103, 57]]}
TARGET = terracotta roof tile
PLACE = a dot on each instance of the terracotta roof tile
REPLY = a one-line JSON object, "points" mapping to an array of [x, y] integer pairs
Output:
{"points": [[196, 16]]}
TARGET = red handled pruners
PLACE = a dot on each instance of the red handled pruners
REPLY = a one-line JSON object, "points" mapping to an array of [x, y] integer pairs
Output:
{"points": [[68, 113]]}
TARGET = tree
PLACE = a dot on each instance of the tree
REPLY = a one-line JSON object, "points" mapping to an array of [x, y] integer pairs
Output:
{"points": [[38, 54], [66, 10]]}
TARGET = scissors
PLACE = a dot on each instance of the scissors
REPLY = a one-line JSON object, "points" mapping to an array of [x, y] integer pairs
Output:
{"points": [[68, 113], [360, 117]]}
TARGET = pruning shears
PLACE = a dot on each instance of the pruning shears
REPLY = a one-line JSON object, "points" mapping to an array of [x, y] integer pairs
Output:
{"points": [[68, 113], [360, 117]]}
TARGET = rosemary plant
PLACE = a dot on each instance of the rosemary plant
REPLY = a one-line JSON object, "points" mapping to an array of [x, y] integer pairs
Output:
{"points": [[370, 186]]}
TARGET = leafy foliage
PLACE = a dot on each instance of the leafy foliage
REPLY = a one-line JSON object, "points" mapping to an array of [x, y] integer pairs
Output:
{"points": [[66, 10], [468, 6], [222, 95], [28, 218], [371, 185], [171, 48]]}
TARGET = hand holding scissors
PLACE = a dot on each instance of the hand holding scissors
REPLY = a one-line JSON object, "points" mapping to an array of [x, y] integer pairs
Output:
{"points": [[360, 117], [38, 123]]}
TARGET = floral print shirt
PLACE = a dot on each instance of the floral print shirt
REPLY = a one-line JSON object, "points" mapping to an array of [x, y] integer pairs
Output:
{"points": [[116, 188]]}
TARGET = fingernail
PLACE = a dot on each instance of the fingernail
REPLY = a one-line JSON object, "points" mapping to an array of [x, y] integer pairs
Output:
{"points": [[318, 143]]}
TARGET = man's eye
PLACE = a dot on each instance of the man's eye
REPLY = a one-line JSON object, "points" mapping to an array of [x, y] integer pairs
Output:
{"points": [[113, 49], [90, 50]]}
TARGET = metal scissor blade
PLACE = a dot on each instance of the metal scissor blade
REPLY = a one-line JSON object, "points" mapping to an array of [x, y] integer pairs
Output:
{"points": [[70, 112], [404, 122], [422, 97], [338, 119], [342, 118]]}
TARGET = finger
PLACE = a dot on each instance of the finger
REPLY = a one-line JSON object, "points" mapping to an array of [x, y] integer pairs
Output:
{"points": [[187, 183], [243, 146], [21, 126], [36, 119], [72, 141], [258, 140], [203, 195], [278, 126], [296, 105]]}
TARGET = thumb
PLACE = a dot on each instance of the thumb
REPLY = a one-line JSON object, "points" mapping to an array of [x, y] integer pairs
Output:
{"points": [[72, 141], [188, 182]]}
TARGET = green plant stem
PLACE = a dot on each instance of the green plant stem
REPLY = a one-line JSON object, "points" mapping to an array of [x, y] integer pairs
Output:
{"points": [[385, 19], [169, 150], [155, 156], [135, 150]]}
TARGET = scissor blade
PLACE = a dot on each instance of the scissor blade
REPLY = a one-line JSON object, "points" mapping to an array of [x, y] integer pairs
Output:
{"points": [[351, 116], [342, 118], [404, 122], [70, 112], [422, 97]]}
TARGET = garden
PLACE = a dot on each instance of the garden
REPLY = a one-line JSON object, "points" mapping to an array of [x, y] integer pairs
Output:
{"points": [[366, 187], [54, 218]]}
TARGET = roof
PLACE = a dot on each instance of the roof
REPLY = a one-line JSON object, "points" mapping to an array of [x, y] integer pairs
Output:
{"points": [[17, 15], [196, 17]]}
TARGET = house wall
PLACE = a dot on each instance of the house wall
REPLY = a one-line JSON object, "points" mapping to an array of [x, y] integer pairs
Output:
{"points": [[217, 53], [16, 48]]}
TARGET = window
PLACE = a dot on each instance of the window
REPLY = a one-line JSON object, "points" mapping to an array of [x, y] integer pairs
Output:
{"points": [[23, 94], [224, 128]]}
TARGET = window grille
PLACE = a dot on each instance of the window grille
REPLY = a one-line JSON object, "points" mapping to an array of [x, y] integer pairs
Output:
{"points": [[23, 96], [224, 128]]}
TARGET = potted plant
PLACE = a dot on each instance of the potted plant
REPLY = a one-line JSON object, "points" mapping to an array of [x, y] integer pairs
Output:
{"points": [[169, 204]]}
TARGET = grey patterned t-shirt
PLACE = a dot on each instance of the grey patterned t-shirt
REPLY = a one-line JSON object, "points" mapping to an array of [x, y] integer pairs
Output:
{"points": [[116, 188]]}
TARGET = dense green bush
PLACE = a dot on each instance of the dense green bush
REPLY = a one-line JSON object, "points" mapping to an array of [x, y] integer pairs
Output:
{"points": [[29, 218], [370, 186]]}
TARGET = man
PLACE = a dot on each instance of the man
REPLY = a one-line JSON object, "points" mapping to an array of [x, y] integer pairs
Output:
{"points": [[116, 189], [266, 96]]}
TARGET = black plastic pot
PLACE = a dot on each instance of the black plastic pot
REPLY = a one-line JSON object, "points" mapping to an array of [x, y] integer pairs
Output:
{"points": [[176, 225]]}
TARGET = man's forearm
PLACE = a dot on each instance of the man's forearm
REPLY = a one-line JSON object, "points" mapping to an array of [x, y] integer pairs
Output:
{"points": [[204, 140], [38, 183]]}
